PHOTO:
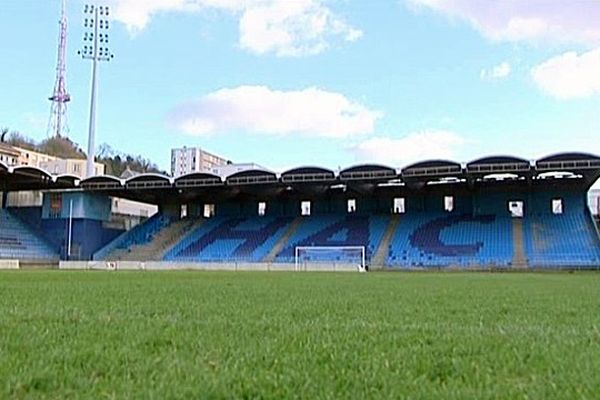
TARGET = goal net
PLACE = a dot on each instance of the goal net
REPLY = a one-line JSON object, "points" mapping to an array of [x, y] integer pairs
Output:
{"points": [[330, 258]]}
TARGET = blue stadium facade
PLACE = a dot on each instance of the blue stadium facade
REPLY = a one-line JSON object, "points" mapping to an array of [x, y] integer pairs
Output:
{"points": [[496, 212]]}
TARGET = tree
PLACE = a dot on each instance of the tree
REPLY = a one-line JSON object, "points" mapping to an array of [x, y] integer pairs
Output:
{"points": [[17, 139], [61, 147], [3, 134], [116, 162]]}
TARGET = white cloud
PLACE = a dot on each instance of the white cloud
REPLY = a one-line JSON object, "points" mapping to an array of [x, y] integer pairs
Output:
{"points": [[525, 20], [566, 76], [259, 109], [569, 75], [136, 14], [499, 71], [282, 27], [291, 28], [416, 146]]}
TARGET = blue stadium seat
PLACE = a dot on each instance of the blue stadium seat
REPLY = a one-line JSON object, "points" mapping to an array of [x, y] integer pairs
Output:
{"points": [[138, 235], [337, 230], [564, 240], [230, 239], [421, 239], [224, 239], [18, 241], [460, 240]]}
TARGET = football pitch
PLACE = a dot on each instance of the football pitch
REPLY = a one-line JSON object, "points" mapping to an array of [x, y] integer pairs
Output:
{"points": [[299, 335]]}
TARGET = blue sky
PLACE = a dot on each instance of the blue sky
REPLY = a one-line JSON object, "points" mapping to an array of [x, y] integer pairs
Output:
{"points": [[334, 83]]}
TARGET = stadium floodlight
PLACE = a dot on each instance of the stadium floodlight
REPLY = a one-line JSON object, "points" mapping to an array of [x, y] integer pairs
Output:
{"points": [[95, 48]]}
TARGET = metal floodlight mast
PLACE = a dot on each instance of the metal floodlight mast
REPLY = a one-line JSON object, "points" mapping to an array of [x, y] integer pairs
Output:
{"points": [[95, 48]]}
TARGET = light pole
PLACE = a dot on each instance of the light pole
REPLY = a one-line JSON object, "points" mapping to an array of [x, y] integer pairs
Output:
{"points": [[70, 229], [95, 48]]}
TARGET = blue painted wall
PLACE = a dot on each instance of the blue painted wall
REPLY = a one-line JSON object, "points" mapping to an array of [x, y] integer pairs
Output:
{"points": [[541, 203], [88, 236], [84, 205], [89, 213], [485, 202], [30, 215]]}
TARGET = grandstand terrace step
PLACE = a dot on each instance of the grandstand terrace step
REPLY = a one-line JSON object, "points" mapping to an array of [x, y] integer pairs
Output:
{"points": [[382, 252], [594, 222], [291, 230], [230, 239], [170, 238], [567, 240], [139, 235], [519, 260], [161, 242], [19, 241], [336, 230], [436, 240]]}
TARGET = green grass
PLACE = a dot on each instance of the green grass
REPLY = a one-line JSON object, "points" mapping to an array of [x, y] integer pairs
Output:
{"points": [[299, 335]]}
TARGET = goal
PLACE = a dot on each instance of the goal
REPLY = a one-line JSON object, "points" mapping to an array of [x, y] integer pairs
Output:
{"points": [[330, 258]]}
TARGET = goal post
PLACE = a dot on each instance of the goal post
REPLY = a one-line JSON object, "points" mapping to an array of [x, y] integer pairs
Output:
{"points": [[330, 258]]}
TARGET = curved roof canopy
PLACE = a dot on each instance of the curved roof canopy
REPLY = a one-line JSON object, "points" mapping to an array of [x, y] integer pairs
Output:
{"points": [[196, 179], [32, 172], [101, 182], [568, 162], [368, 172], [67, 180], [149, 181], [498, 164], [307, 174], [30, 178], [251, 177], [569, 157], [432, 168], [310, 180]]}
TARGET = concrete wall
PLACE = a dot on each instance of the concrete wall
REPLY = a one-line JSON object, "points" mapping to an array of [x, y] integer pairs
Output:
{"points": [[171, 266], [9, 264]]}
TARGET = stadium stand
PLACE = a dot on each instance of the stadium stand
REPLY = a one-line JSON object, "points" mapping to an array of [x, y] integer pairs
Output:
{"points": [[139, 235], [381, 255], [18, 241], [499, 211], [336, 230], [566, 240], [462, 240], [418, 239], [230, 239], [251, 239], [159, 244]]}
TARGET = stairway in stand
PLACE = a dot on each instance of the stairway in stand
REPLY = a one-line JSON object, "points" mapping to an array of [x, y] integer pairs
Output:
{"points": [[381, 254], [279, 246], [160, 244], [519, 260]]}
